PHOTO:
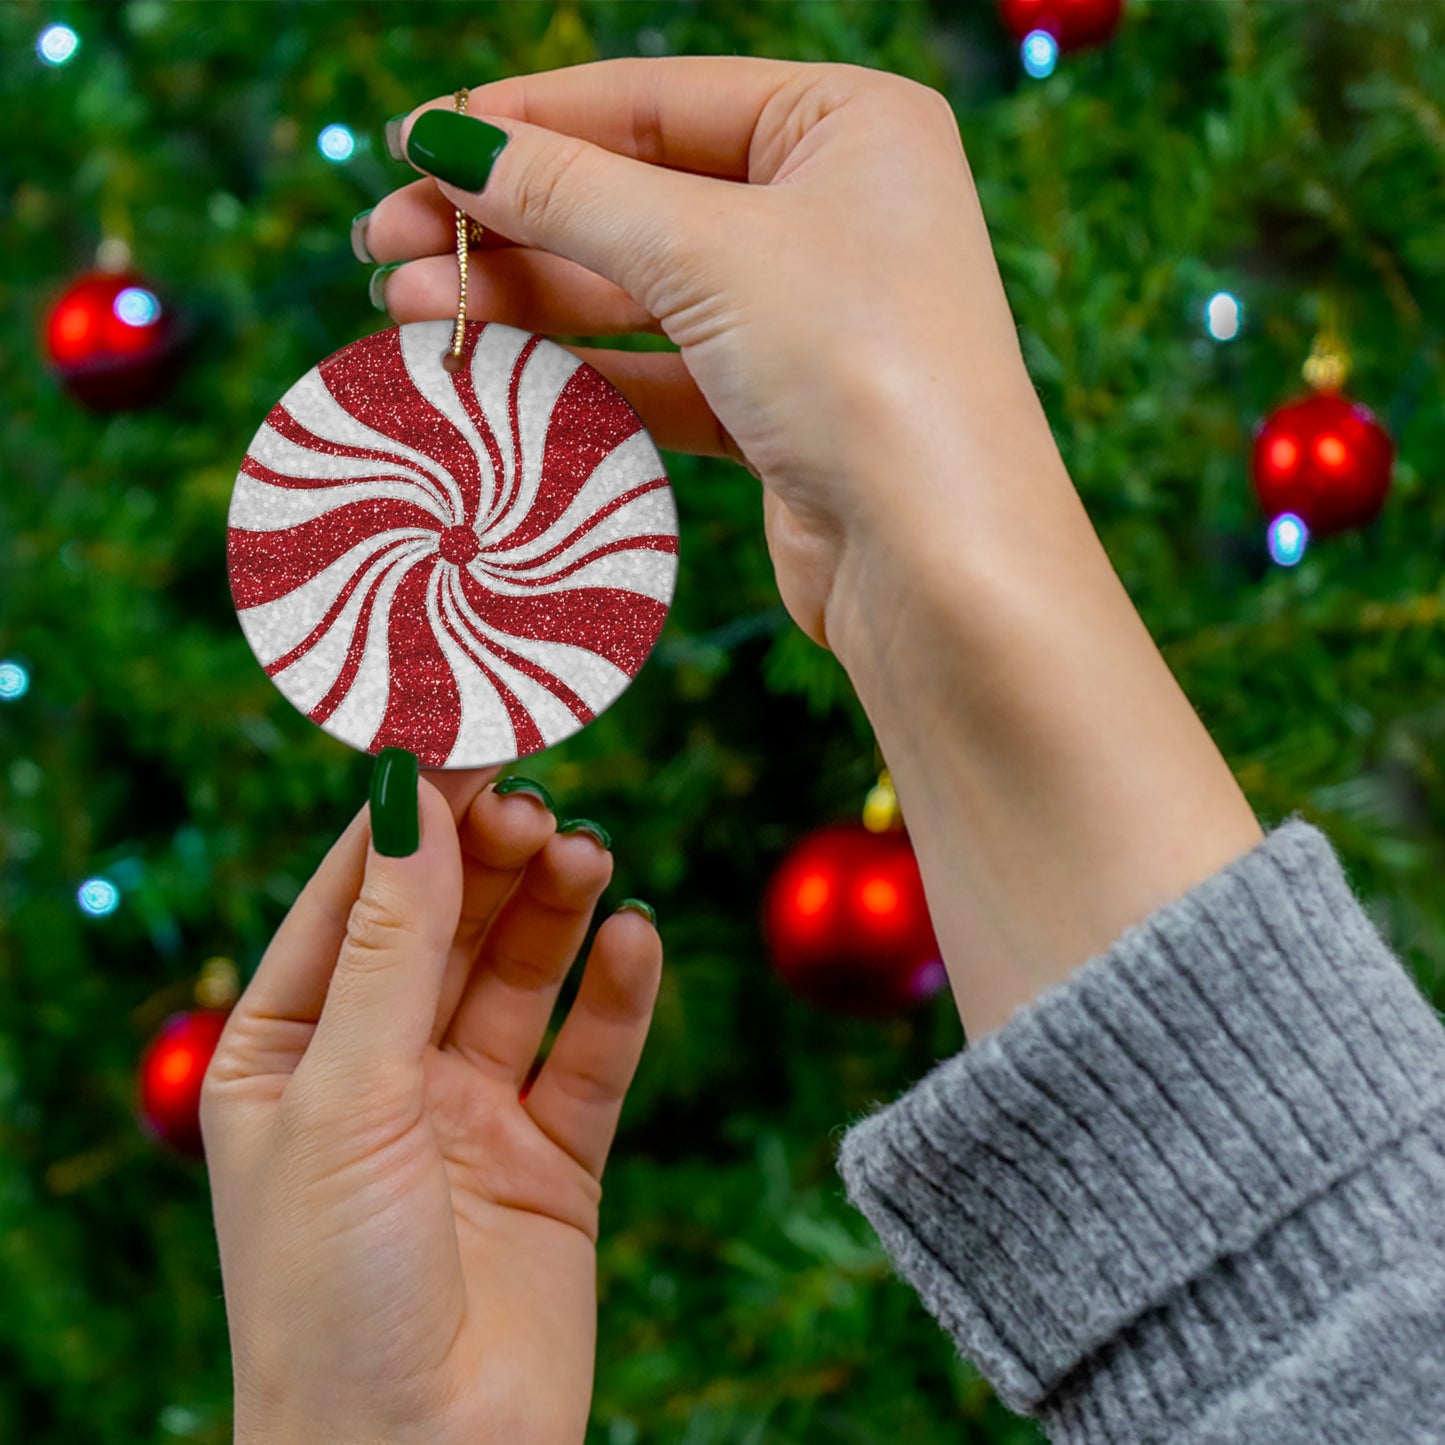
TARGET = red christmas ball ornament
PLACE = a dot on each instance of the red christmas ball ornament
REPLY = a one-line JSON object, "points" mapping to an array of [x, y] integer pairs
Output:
{"points": [[1324, 458], [112, 341], [171, 1071], [1073, 23], [847, 924]]}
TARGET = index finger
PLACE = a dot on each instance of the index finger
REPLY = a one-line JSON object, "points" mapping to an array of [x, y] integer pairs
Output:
{"points": [[292, 978], [687, 112]]}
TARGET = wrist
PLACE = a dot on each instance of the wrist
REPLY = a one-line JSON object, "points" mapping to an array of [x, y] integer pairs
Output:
{"points": [[949, 521], [1056, 782]]}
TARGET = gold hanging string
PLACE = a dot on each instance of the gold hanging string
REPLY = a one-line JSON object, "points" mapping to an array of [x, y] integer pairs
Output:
{"points": [[469, 233]]}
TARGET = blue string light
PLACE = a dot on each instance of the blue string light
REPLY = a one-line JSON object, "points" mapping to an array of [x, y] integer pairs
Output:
{"points": [[98, 897], [137, 307], [1288, 538], [336, 143], [14, 681], [1040, 53], [57, 44]]}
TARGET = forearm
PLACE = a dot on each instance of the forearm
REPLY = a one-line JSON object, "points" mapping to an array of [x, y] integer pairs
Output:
{"points": [[1056, 782]]}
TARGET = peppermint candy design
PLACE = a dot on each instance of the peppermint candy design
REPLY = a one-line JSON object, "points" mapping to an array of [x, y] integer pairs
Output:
{"points": [[471, 565]]}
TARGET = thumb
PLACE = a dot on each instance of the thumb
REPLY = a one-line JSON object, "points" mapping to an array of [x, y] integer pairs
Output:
{"points": [[628, 221], [382, 1000]]}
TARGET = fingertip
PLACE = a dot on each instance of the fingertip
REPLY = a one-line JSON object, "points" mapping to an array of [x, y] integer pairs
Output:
{"points": [[460, 786], [431, 798], [395, 813], [421, 882], [630, 936], [506, 830], [638, 906], [394, 131], [629, 951]]}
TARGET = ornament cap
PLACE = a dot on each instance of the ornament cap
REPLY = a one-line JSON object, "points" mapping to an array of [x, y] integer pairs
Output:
{"points": [[218, 985], [1327, 367], [881, 812], [113, 254]]}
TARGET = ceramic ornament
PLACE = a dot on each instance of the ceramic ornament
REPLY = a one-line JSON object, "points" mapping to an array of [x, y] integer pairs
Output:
{"points": [[471, 565]]}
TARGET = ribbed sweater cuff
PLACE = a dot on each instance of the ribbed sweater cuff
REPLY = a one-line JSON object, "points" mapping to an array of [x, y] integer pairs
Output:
{"points": [[1129, 1161]]}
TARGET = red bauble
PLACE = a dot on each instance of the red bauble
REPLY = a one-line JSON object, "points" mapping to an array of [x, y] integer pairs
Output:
{"points": [[112, 341], [847, 923], [1324, 458], [171, 1071], [1073, 23]]}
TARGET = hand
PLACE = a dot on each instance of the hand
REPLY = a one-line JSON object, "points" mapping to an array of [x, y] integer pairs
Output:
{"points": [[843, 329], [843, 298], [408, 1248]]}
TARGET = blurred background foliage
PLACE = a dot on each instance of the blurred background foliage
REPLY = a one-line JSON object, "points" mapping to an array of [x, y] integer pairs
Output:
{"points": [[1288, 153]]}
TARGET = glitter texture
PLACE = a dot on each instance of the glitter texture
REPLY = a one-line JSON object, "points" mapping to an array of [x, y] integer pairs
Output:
{"points": [[468, 565]]}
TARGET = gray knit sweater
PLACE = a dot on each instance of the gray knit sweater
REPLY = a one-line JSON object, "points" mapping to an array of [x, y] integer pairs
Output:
{"points": [[1196, 1192]]}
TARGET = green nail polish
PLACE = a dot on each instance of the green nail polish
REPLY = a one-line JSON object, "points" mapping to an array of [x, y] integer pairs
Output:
{"points": [[395, 825], [455, 148], [359, 248], [636, 905], [586, 825], [392, 132], [376, 287], [527, 786]]}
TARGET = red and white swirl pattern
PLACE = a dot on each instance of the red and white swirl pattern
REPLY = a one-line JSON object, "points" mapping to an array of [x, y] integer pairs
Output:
{"points": [[470, 565]]}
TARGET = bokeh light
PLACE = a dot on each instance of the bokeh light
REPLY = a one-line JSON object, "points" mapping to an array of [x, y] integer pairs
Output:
{"points": [[879, 897], [930, 977], [98, 897], [1288, 538], [336, 143], [813, 893], [1223, 316], [57, 44], [1282, 455], [137, 307], [14, 681], [1040, 52]]}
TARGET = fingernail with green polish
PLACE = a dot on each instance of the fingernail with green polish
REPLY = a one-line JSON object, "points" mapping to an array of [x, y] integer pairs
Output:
{"points": [[376, 287], [359, 248], [586, 825], [392, 131], [636, 905], [395, 825], [525, 785], [455, 148]]}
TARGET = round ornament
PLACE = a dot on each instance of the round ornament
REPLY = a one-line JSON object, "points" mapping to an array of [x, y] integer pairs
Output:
{"points": [[1324, 458], [111, 341], [1072, 23], [470, 564], [172, 1070], [847, 923]]}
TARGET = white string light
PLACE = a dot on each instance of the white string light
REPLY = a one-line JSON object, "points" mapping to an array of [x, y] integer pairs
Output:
{"points": [[57, 44]]}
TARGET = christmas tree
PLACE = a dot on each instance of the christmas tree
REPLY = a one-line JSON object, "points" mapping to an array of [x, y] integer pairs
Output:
{"points": [[1179, 215]]}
